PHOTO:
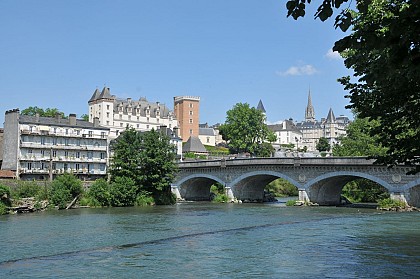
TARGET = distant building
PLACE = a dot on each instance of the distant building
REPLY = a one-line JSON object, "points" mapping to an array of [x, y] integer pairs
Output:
{"points": [[39, 148], [207, 135], [118, 114], [287, 133], [187, 110], [312, 130]]}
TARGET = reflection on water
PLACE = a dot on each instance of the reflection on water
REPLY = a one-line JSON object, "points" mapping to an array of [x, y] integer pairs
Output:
{"points": [[191, 240]]}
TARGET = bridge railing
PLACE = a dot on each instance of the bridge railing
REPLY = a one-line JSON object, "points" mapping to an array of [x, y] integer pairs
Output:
{"points": [[296, 161]]}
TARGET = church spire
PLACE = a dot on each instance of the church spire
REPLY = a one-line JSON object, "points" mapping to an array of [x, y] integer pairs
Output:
{"points": [[310, 112]]}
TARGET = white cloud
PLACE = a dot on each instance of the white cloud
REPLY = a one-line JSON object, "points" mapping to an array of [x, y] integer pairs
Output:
{"points": [[333, 55], [305, 70]]}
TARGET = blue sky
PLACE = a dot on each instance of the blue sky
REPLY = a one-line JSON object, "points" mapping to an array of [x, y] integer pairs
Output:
{"points": [[55, 53]]}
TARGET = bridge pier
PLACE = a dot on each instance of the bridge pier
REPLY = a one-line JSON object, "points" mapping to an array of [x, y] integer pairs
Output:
{"points": [[175, 191], [229, 193], [303, 195]]}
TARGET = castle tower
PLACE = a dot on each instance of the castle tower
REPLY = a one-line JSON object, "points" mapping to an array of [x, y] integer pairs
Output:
{"points": [[186, 110], [310, 112], [101, 105]]}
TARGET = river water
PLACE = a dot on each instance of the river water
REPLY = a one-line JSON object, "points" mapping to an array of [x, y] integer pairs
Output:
{"points": [[206, 240]]}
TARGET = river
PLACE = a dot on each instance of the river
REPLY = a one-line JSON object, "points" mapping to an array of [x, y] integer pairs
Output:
{"points": [[206, 240]]}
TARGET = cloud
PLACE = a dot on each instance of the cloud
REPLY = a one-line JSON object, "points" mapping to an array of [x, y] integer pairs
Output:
{"points": [[305, 70], [333, 55]]}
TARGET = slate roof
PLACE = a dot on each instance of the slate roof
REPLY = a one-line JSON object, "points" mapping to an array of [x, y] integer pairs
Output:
{"points": [[290, 126], [53, 121], [261, 106], [206, 132], [194, 145], [331, 117]]}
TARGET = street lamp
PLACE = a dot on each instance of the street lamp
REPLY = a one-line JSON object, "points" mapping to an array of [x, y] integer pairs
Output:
{"points": [[297, 143]]}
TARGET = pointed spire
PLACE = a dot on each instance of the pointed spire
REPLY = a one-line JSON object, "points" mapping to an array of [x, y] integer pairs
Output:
{"points": [[105, 94], [310, 111], [261, 107], [95, 95], [331, 116]]}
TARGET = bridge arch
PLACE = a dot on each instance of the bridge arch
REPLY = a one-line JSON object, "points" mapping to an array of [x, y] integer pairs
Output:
{"points": [[326, 188], [196, 187], [250, 186]]}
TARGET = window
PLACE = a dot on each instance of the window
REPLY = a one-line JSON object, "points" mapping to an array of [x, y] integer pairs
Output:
{"points": [[107, 114], [43, 141], [66, 166], [102, 167], [102, 155], [138, 125], [121, 124], [90, 134], [42, 153], [107, 107], [78, 142], [66, 141], [78, 132], [107, 123], [29, 166], [208, 139], [54, 153], [77, 154], [77, 166], [103, 135], [191, 113], [67, 131], [66, 153], [90, 155], [191, 131], [191, 105], [54, 166], [191, 121], [30, 151], [147, 126]]}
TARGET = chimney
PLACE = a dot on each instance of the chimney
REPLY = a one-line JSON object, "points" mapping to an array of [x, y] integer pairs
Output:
{"points": [[72, 118], [58, 117], [37, 117], [96, 122]]}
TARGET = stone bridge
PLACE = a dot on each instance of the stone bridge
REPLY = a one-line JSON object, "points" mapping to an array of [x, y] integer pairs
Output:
{"points": [[319, 180]]}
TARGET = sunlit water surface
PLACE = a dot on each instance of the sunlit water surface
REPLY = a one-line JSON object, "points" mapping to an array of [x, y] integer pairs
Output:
{"points": [[205, 240]]}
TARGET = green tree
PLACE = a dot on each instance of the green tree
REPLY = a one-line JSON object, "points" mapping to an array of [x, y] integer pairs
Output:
{"points": [[383, 50], [99, 193], [48, 112], [148, 159], [323, 145], [358, 140], [245, 129], [123, 191], [85, 117]]}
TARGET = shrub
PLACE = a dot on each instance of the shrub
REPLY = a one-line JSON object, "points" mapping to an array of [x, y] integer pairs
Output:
{"points": [[99, 193], [144, 199], [26, 189], [390, 203], [290, 202], [220, 198], [122, 192], [164, 198], [3, 209], [65, 188], [5, 195]]}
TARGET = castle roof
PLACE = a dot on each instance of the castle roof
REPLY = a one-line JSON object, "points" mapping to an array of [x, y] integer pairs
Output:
{"points": [[330, 117]]}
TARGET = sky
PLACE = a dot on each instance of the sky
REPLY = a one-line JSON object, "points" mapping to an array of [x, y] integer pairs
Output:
{"points": [[54, 54]]}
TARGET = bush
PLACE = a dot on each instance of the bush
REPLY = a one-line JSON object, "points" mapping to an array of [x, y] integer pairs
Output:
{"points": [[122, 192], [26, 189], [3, 209], [290, 202], [65, 188], [390, 203], [164, 198], [99, 193], [5, 195], [144, 199], [220, 198]]}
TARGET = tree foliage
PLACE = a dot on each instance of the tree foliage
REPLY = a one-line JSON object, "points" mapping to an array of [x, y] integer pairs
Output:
{"points": [[65, 188], [148, 159], [48, 112], [358, 141], [245, 130], [383, 50], [323, 145]]}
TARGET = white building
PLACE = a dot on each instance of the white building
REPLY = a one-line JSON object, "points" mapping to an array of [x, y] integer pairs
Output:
{"points": [[287, 133], [142, 115], [37, 147]]}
